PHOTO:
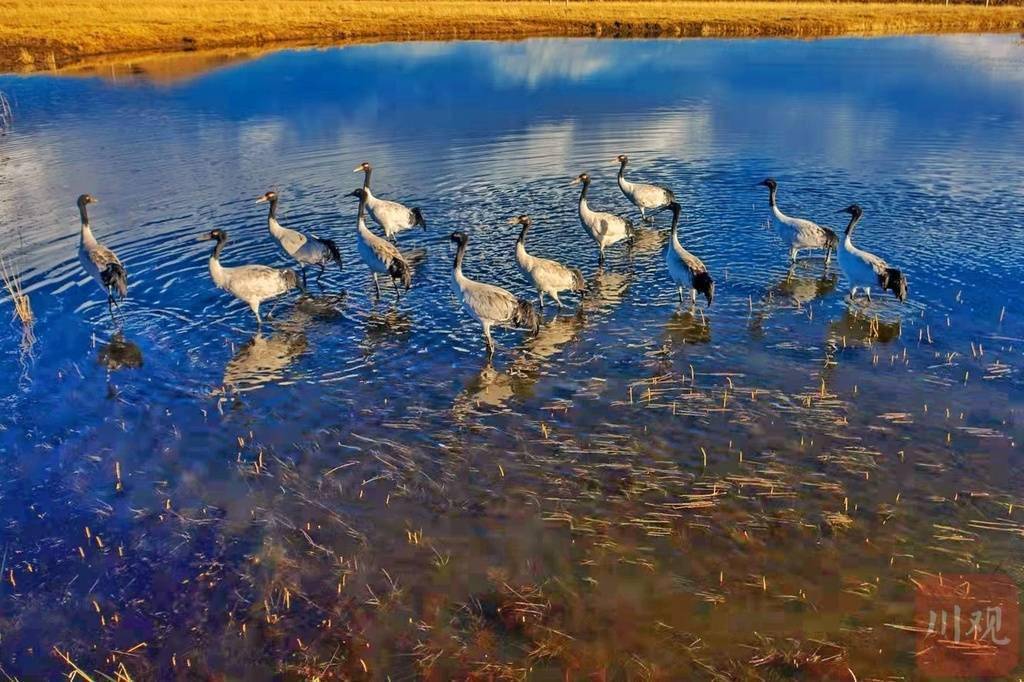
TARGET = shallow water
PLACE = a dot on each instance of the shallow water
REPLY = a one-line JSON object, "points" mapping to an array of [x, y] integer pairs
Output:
{"points": [[639, 491]]}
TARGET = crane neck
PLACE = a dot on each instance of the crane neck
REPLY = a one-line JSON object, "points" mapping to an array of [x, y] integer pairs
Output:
{"points": [[675, 227], [216, 270], [362, 209], [583, 192], [522, 233], [459, 255], [366, 178], [215, 256], [622, 170], [771, 196], [87, 237], [272, 215], [854, 219]]}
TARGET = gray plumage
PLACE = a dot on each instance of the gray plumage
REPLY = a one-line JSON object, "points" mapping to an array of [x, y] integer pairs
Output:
{"points": [[304, 249], [392, 216], [547, 276], [798, 233], [645, 196], [251, 284], [380, 255], [488, 304], [863, 270], [98, 261], [605, 229], [686, 269]]}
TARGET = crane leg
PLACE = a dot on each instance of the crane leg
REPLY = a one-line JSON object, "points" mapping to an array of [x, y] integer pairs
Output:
{"points": [[487, 338], [853, 293], [693, 297], [679, 292], [558, 301], [540, 297], [793, 254], [868, 292], [302, 269], [319, 275], [600, 257], [398, 291], [376, 285], [256, 311]]}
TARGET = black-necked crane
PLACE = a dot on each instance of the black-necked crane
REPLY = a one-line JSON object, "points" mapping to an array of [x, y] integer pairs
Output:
{"points": [[547, 276], [605, 229], [101, 263], [863, 270], [799, 233], [251, 284], [380, 255], [645, 196], [392, 216], [304, 249], [488, 304], [685, 269]]}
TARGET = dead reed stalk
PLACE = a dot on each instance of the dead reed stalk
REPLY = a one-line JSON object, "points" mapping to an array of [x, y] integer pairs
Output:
{"points": [[22, 307]]}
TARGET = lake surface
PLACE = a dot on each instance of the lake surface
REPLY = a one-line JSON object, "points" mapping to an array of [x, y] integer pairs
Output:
{"points": [[641, 491]]}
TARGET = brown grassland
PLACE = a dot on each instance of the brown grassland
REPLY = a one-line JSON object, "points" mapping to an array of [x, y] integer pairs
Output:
{"points": [[45, 35]]}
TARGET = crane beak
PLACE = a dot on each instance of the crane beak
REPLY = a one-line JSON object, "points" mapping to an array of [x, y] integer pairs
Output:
{"points": [[574, 181], [203, 238], [513, 221], [261, 200], [357, 169]]}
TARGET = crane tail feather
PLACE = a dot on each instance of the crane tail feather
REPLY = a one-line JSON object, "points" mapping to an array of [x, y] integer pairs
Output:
{"points": [[332, 249], [291, 279], [831, 239], [525, 316], [703, 284], [419, 218], [578, 283], [400, 270], [896, 282], [115, 279]]}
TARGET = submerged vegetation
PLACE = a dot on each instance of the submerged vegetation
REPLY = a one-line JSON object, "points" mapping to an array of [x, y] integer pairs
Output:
{"points": [[37, 35], [640, 490]]}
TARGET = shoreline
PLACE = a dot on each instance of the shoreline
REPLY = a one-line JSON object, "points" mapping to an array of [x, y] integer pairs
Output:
{"points": [[78, 32]]}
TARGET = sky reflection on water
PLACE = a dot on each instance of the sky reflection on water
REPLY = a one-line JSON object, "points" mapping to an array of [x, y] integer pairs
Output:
{"points": [[633, 465]]}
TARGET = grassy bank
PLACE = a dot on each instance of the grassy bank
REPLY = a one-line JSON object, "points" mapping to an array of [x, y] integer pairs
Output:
{"points": [[37, 35]]}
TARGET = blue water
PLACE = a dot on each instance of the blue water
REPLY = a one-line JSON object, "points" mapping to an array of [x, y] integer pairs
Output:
{"points": [[358, 423]]}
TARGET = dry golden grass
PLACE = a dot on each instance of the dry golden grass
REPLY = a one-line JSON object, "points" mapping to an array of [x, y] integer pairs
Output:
{"points": [[12, 283], [46, 35]]}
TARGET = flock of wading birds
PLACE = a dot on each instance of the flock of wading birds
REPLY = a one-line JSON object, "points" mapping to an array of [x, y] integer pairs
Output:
{"points": [[492, 305]]}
